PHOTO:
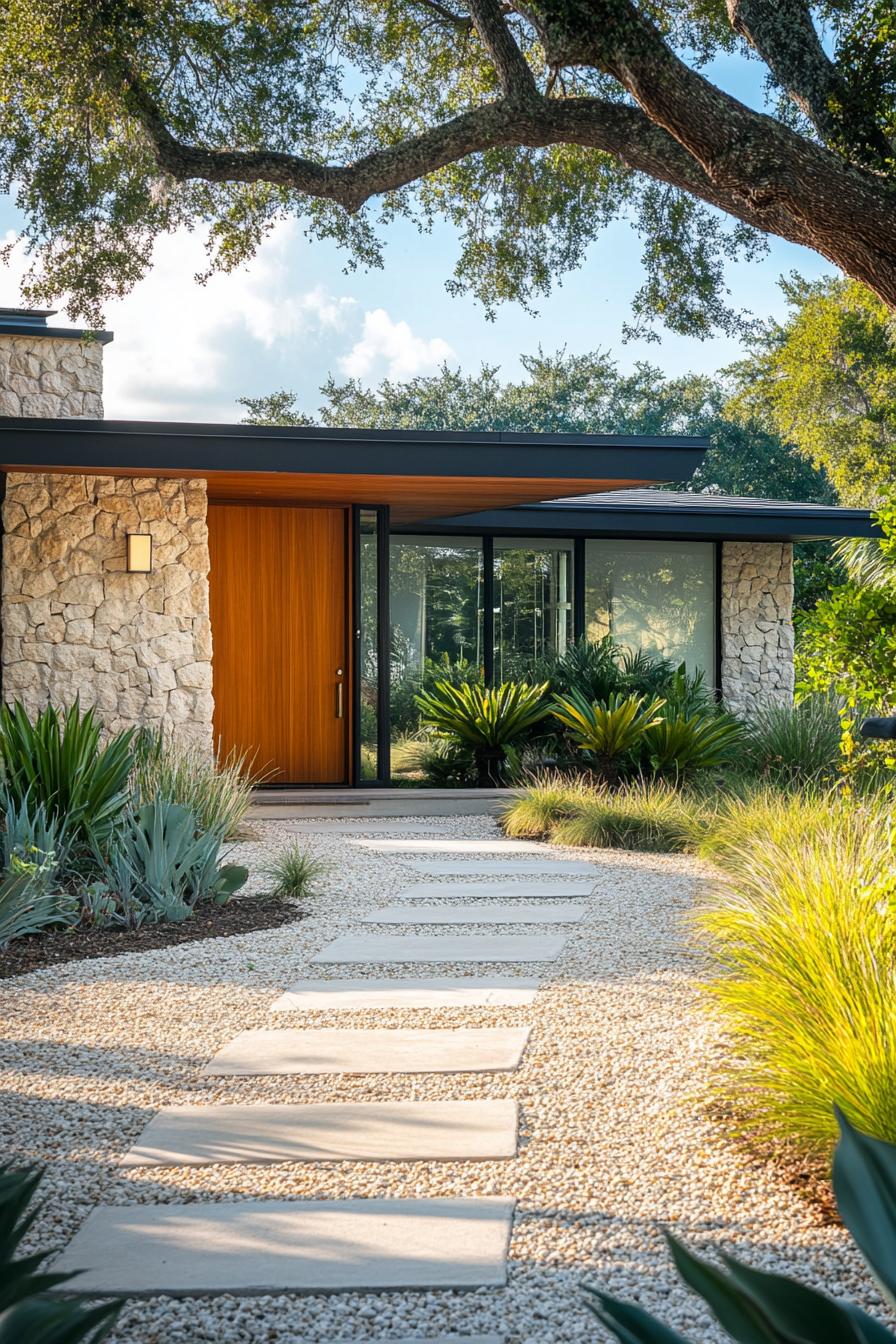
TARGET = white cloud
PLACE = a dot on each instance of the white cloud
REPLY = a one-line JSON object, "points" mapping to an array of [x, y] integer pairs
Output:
{"points": [[391, 349], [179, 346]]}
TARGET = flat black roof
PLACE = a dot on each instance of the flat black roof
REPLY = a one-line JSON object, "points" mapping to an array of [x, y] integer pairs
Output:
{"points": [[670, 515]]}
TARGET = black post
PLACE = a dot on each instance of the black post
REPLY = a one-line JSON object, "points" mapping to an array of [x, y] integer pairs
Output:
{"points": [[384, 649], [488, 609]]}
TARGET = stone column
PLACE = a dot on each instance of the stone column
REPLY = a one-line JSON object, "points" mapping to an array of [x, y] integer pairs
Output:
{"points": [[756, 624], [75, 622]]}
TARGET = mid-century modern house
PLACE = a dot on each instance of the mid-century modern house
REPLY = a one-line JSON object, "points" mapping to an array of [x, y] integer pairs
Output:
{"points": [[278, 590]]}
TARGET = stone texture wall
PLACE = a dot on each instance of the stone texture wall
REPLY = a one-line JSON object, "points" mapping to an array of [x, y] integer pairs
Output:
{"points": [[40, 376], [756, 624], [76, 623]]}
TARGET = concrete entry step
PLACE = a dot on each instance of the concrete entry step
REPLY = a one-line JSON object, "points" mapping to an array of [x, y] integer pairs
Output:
{"points": [[502, 891], [369, 1131], [506, 868], [397, 1050], [291, 1246], [423, 948], [550, 913], [438, 992], [368, 826]]}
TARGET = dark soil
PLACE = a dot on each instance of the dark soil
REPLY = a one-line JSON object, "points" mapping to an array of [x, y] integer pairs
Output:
{"points": [[243, 915]]}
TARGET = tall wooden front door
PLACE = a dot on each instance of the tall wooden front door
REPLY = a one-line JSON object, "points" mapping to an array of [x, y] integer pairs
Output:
{"points": [[279, 614]]}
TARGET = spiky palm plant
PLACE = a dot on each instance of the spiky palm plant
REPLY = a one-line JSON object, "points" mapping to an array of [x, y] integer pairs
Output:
{"points": [[608, 734], [489, 718]]}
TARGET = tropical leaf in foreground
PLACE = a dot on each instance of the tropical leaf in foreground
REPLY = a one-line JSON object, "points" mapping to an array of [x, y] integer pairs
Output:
{"points": [[755, 1307]]}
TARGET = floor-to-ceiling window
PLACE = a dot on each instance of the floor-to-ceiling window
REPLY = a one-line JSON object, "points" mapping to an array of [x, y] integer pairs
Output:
{"points": [[367, 644], [533, 590], [436, 601], [653, 595]]}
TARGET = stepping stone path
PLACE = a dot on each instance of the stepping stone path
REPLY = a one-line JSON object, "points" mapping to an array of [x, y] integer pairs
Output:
{"points": [[330, 1050], [474, 914], [440, 992], [367, 1131], [473, 891], [271, 1246], [300, 1246], [485, 867], [387, 949]]}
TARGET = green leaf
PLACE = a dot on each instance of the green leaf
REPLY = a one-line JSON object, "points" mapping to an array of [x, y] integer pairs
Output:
{"points": [[629, 1323], [864, 1179], [737, 1311], [802, 1313]]}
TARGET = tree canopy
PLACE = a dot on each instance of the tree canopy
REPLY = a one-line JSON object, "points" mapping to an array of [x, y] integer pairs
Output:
{"points": [[571, 394], [825, 380], [527, 126]]}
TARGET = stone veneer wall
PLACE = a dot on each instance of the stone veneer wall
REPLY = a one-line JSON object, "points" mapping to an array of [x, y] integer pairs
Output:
{"points": [[76, 623], [43, 376], [756, 624]]}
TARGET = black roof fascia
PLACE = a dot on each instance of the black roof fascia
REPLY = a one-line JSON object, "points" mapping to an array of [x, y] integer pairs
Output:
{"points": [[150, 446], [741, 524], [43, 333]]}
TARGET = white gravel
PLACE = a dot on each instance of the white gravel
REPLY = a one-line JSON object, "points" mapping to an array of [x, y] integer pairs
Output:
{"points": [[614, 1142]]}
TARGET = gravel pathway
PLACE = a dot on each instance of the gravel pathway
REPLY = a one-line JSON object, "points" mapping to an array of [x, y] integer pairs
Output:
{"points": [[614, 1143]]}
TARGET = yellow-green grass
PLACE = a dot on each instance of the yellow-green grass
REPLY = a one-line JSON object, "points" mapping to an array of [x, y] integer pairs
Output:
{"points": [[640, 815], [802, 935]]}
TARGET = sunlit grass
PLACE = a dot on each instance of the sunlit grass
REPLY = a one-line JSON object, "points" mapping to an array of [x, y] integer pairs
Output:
{"points": [[639, 815]]}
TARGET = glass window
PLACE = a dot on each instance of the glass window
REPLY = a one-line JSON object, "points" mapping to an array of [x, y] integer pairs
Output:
{"points": [[367, 644], [533, 603], [653, 595], [436, 593]]}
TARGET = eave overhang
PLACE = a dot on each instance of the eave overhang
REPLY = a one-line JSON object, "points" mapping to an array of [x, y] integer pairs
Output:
{"points": [[420, 474]]}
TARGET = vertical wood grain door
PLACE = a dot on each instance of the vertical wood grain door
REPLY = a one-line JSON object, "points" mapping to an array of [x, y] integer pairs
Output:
{"points": [[279, 613]]}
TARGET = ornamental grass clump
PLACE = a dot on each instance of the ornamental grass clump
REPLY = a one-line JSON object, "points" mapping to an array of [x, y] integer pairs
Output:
{"points": [[641, 814], [802, 935], [795, 743], [218, 791], [294, 874]]}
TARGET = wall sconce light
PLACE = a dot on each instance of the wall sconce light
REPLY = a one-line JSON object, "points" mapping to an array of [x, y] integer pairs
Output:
{"points": [[139, 553]]}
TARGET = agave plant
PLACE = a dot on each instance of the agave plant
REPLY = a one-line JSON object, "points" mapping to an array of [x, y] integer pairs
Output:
{"points": [[611, 733], [755, 1307], [27, 1314], [56, 762], [490, 718], [680, 744]]}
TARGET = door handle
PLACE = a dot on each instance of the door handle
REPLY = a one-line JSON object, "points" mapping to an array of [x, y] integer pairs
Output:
{"points": [[340, 695]]}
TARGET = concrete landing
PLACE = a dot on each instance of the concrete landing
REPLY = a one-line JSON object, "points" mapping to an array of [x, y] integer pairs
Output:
{"points": [[509, 890], [550, 913], [503, 867], [374, 1131], [439, 992], [433, 949], [464, 1050], [290, 1246], [368, 826]]}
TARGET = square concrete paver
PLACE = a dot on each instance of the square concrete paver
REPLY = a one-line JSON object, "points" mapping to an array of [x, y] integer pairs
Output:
{"points": [[438, 992], [397, 948], [290, 1246], [553, 912], [500, 891], [368, 1131], [331, 1050], [505, 867]]}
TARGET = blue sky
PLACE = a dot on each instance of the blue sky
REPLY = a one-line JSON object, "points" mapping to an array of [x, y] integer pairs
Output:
{"points": [[183, 351]]}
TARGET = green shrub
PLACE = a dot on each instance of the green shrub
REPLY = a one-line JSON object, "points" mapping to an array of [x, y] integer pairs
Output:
{"points": [[160, 868], [536, 809], [802, 933], [27, 1314], [490, 719], [755, 1307], [294, 873], [795, 742], [611, 734], [56, 762], [218, 792], [680, 745], [447, 764]]}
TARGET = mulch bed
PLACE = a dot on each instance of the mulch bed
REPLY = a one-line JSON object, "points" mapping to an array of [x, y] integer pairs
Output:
{"points": [[245, 914]]}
